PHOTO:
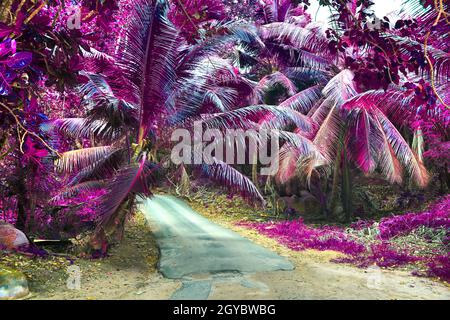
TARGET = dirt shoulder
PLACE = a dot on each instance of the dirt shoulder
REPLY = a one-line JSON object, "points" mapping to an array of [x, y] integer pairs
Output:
{"points": [[128, 273]]}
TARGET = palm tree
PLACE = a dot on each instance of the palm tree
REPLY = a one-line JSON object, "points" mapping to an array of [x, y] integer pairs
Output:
{"points": [[157, 81], [362, 125], [345, 124]]}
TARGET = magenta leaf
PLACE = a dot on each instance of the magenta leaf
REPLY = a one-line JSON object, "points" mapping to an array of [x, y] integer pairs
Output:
{"points": [[32, 151], [7, 46], [5, 30], [4, 86], [20, 60]]}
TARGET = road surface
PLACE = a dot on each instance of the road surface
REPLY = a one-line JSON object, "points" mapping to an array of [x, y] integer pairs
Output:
{"points": [[191, 244]]}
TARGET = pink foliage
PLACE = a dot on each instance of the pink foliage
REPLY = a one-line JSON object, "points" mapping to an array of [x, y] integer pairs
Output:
{"points": [[6, 213], [89, 202], [189, 15], [382, 254], [437, 216], [297, 236], [440, 267]]}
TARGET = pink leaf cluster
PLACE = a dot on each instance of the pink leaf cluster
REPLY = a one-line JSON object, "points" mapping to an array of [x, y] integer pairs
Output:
{"points": [[296, 235]]}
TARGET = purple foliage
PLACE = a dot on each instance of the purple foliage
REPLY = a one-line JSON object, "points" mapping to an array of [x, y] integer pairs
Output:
{"points": [[298, 236], [6, 213], [440, 267], [382, 254], [436, 216]]}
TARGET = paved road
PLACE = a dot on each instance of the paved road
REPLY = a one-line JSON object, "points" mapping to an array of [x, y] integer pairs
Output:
{"points": [[191, 244]]}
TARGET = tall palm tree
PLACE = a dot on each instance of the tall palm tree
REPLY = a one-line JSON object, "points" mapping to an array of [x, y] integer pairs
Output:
{"points": [[157, 80]]}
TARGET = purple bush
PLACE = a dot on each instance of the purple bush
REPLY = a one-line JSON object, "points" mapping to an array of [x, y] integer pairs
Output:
{"points": [[440, 267], [6, 213], [297, 236], [382, 254], [436, 216]]}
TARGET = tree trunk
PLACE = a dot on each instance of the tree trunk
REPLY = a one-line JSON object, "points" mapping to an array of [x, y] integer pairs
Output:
{"points": [[255, 169], [32, 197], [346, 188], [335, 184]]}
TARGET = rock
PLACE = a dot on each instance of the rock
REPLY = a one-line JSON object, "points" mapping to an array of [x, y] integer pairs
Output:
{"points": [[13, 284], [10, 237]]}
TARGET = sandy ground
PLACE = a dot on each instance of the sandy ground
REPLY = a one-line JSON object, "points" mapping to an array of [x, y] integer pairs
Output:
{"points": [[128, 273]]}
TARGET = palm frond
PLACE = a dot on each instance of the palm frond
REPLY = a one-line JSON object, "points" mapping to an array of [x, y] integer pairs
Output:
{"points": [[147, 59], [304, 100], [363, 138], [403, 151], [209, 75], [308, 75], [246, 117], [233, 179], [287, 164], [299, 57], [75, 160], [309, 39], [222, 98], [77, 189], [244, 32], [85, 128], [118, 190], [340, 88], [101, 169], [96, 86], [330, 125], [366, 140], [93, 53], [439, 56], [299, 154]]}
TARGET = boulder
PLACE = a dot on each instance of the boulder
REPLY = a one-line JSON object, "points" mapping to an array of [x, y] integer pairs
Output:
{"points": [[13, 284], [10, 237]]}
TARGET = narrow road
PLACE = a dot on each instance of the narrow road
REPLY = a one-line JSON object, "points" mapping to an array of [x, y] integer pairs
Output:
{"points": [[191, 244]]}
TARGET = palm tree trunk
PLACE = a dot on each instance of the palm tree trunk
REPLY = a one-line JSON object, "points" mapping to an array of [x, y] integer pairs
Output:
{"points": [[255, 169], [346, 188], [335, 184]]}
